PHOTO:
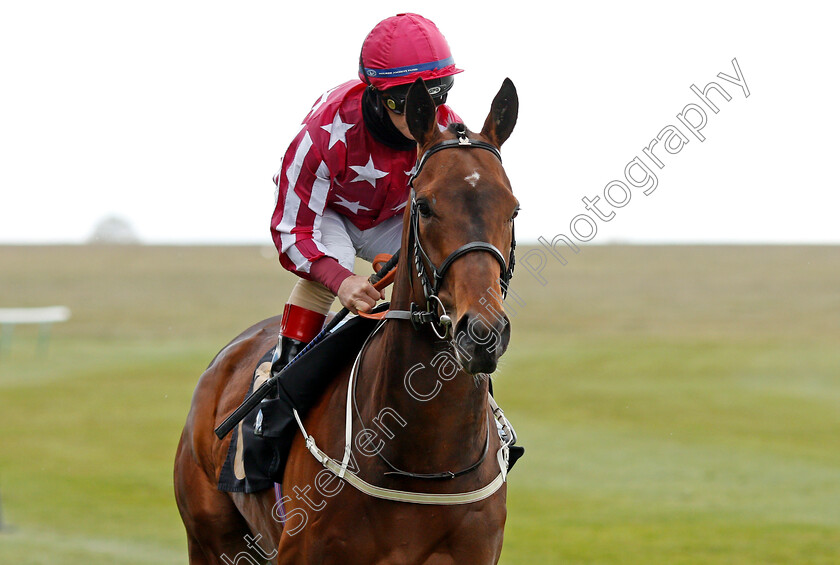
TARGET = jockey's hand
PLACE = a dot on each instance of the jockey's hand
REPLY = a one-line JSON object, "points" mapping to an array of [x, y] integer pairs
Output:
{"points": [[357, 294]]}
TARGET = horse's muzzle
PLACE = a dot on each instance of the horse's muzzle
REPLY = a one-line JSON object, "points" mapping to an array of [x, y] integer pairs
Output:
{"points": [[480, 341]]}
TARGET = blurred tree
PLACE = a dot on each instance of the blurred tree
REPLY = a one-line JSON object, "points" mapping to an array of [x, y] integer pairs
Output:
{"points": [[113, 230]]}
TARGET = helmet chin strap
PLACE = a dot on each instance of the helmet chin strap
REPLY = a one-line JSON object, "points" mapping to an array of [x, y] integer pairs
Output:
{"points": [[379, 123]]}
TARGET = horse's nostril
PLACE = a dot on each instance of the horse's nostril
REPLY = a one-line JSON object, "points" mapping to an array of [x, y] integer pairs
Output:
{"points": [[461, 328], [478, 336]]}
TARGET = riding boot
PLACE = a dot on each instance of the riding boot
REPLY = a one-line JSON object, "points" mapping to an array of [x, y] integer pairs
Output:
{"points": [[298, 328], [289, 349]]}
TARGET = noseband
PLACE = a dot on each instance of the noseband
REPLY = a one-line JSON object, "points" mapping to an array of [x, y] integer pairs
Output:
{"points": [[431, 286]]}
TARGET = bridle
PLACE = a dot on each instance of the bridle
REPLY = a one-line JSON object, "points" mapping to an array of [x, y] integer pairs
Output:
{"points": [[434, 311]]}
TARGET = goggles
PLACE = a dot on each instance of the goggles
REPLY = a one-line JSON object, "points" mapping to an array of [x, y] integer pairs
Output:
{"points": [[394, 98]]}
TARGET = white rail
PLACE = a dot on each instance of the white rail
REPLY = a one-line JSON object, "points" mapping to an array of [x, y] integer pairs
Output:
{"points": [[47, 315], [44, 317]]}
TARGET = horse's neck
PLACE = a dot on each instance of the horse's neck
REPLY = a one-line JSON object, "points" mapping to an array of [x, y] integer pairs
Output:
{"points": [[432, 416]]}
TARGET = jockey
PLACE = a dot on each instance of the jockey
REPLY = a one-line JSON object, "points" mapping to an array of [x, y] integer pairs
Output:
{"points": [[343, 183]]}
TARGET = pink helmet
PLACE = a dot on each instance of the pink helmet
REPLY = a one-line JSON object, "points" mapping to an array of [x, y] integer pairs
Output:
{"points": [[401, 49]]}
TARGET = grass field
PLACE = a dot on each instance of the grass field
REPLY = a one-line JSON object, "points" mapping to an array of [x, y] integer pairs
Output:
{"points": [[680, 405]]}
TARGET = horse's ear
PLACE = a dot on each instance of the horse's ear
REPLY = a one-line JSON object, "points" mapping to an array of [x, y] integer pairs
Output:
{"points": [[503, 112], [420, 113]]}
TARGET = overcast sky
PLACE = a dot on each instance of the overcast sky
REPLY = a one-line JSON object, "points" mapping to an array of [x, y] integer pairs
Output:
{"points": [[174, 115]]}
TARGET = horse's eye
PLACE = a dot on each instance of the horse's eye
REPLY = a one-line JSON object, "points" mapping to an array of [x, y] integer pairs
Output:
{"points": [[515, 213], [423, 208]]}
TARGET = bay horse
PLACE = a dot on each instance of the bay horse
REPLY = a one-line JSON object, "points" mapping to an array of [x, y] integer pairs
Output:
{"points": [[416, 400]]}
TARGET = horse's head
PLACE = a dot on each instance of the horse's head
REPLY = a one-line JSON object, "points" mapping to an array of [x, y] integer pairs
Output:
{"points": [[460, 229]]}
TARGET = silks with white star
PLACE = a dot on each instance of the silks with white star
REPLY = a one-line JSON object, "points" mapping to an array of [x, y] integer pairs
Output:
{"points": [[334, 162]]}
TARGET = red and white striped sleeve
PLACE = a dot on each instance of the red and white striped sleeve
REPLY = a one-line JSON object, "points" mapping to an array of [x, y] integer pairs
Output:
{"points": [[303, 186]]}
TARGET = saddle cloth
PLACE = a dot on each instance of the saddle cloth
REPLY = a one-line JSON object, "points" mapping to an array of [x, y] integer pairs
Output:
{"points": [[256, 463]]}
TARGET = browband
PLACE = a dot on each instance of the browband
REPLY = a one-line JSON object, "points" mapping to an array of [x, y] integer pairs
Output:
{"points": [[462, 141]]}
